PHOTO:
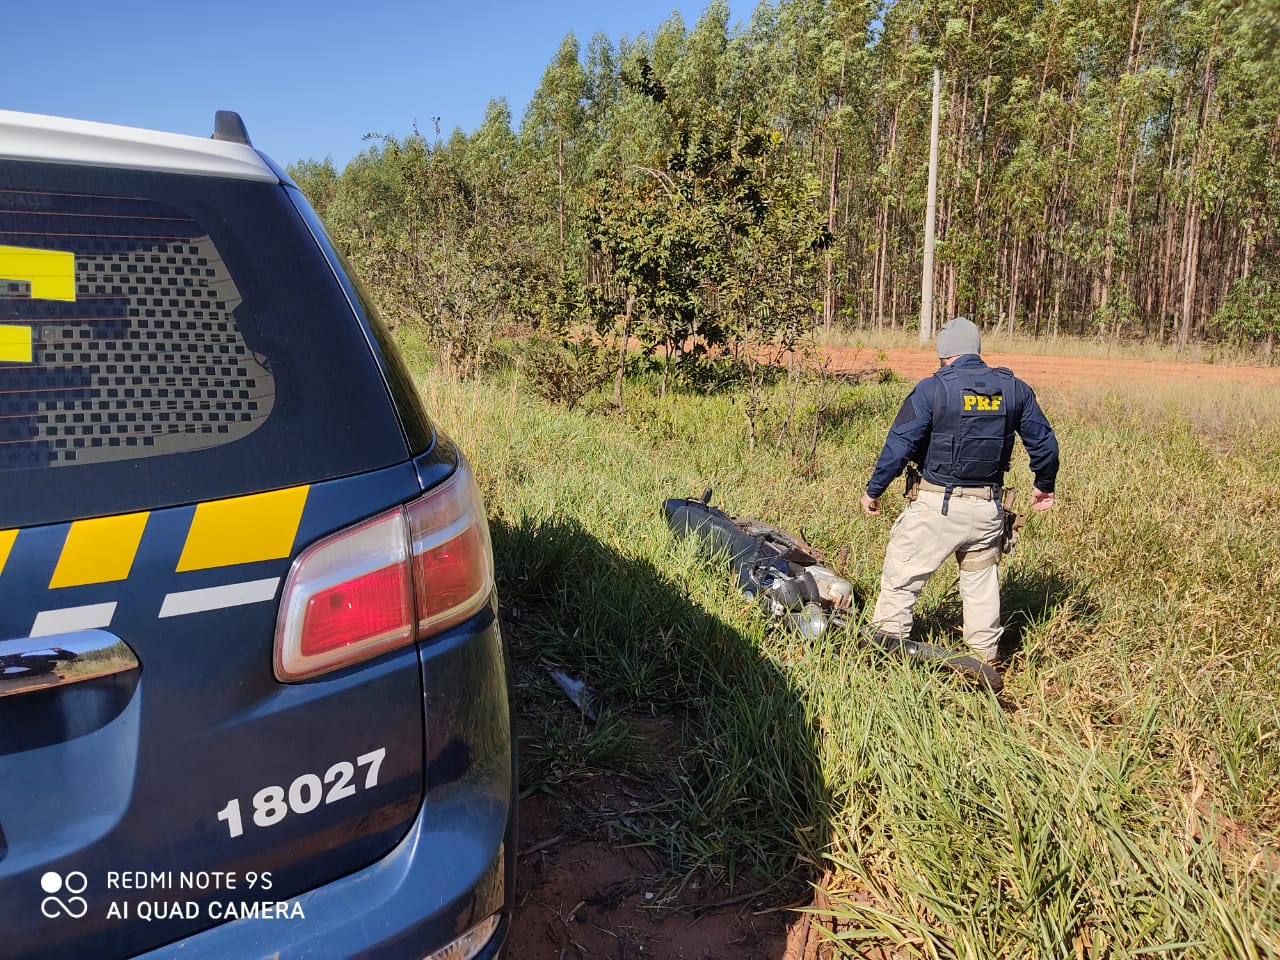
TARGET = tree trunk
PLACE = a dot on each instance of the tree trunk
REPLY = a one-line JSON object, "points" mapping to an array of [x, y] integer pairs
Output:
{"points": [[1194, 225], [622, 352], [560, 171], [1190, 256], [1015, 275], [829, 289], [1117, 178], [931, 203]]}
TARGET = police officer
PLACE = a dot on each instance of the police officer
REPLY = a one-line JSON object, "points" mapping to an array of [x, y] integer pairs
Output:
{"points": [[958, 425]]}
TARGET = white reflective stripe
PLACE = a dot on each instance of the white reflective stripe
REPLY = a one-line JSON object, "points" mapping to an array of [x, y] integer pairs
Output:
{"points": [[218, 598], [69, 619]]}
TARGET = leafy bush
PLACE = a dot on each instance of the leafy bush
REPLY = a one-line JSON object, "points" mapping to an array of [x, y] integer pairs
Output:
{"points": [[565, 372]]}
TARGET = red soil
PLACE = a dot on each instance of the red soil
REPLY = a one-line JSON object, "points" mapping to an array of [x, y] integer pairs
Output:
{"points": [[1040, 371]]}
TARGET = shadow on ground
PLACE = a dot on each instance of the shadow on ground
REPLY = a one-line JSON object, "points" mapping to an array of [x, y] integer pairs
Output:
{"points": [[680, 818]]}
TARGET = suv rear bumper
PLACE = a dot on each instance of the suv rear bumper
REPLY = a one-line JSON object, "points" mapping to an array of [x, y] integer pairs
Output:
{"points": [[455, 866]]}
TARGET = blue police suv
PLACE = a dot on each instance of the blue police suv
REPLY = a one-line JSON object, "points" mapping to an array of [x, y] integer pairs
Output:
{"points": [[253, 694]]}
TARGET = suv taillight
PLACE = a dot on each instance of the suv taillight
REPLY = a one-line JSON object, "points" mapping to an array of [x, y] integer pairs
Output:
{"points": [[360, 592]]}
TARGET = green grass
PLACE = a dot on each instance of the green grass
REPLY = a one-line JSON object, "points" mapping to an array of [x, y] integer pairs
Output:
{"points": [[1121, 800]]}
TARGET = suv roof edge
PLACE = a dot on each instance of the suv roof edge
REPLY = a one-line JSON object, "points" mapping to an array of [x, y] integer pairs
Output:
{"points": [[30, 136]]}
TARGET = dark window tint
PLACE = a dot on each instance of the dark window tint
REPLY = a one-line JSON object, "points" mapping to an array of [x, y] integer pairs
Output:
{"points": [[168, 338], [418, 428], [147, 358]]}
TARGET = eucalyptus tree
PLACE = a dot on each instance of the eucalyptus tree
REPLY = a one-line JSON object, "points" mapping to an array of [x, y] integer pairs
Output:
{"points": [[555, 121], [1105, 168]]}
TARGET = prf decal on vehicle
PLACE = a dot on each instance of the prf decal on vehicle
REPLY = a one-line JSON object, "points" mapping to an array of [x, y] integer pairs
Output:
{"points": [[15, 344], [99, 550], [223, 533], [305, 794], [6, 544], [261, 526], [52, 275]]}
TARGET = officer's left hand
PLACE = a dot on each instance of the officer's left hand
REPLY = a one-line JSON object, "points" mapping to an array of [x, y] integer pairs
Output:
{"points": [[1040, 501], [870, 505]]}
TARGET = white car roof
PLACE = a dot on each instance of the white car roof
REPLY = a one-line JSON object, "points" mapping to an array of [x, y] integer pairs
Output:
{"points": [[30, 136]]}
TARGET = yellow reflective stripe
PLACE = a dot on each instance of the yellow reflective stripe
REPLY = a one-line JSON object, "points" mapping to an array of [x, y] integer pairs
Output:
{"points": [[51, 273], [243, 529], [6, 544], [15, 344], [99, 550]]}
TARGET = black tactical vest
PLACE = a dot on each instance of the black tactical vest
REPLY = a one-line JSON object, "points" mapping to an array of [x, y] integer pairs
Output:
{"points": [[971, 439]]}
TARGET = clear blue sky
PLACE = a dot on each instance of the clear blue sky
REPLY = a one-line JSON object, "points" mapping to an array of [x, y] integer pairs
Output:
{"points": [[309, 78]]}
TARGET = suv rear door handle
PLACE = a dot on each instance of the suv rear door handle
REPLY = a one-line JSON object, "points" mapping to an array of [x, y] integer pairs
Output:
{"points": [[39, 663]]}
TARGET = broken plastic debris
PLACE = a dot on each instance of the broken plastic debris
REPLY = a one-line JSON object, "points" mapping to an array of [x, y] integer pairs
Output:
{"points": [[576, 691]]}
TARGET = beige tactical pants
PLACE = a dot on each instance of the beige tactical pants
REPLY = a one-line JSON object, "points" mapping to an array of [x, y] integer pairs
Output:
{"points": [[921, 539]]}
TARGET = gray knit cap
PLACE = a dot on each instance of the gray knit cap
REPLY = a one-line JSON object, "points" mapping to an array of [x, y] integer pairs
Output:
{"points": [[957, 337]]}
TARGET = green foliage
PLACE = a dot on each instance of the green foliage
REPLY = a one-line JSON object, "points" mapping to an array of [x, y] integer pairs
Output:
{"points": [[318, 180], [1104, 167], [439, 232], [718, 247], [1251, 310], [566, 372]]}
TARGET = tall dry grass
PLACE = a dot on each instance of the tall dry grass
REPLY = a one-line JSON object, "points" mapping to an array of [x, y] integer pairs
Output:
{"points": [[1121, 800]]}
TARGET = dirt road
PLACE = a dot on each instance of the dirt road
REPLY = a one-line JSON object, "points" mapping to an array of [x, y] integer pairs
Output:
{"points": [[1044, 371]]}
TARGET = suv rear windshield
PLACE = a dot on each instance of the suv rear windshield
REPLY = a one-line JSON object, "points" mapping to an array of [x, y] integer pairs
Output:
{"points": [[168, 338]]}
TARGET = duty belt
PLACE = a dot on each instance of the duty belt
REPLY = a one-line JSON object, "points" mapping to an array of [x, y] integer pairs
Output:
{"points": [[989, 492]]}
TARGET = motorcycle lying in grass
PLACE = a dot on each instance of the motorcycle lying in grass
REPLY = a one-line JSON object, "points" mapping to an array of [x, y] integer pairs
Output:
{"points": [[787, 577]]}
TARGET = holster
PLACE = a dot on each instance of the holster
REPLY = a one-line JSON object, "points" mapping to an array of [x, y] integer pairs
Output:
{"points": [[912, 490], [1013, 522]]}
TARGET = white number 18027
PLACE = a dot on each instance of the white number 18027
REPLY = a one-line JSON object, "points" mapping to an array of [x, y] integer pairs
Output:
{"points": [[307, 792]]}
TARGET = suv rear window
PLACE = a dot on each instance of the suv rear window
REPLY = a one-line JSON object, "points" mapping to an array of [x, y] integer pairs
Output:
{"points": [[169, 338]]}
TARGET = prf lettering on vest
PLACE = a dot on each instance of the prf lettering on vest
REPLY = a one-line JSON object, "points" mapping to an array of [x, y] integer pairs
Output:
{"points": [[981, 403]]}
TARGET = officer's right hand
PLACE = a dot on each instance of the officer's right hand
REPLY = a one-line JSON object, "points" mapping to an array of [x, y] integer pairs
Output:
{"points": [[870, 505], [1040, 501]]}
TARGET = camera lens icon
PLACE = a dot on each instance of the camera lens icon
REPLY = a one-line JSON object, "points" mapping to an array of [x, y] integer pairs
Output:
{"points": [[73, 884]]}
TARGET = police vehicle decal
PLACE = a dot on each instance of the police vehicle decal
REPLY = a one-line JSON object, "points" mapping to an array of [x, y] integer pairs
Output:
{"points": [[16, 344], [52, 275], [218, 598], [100, 550], [93, 616], [243, 529], [222, 533], [6, 544]]}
